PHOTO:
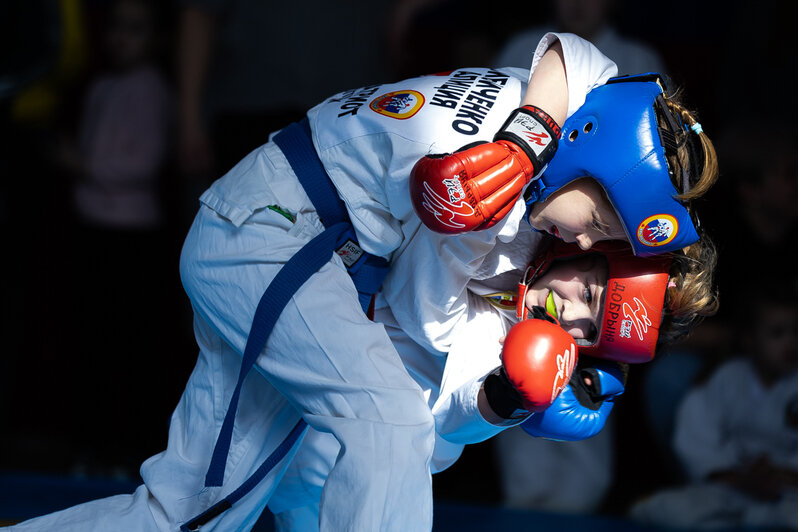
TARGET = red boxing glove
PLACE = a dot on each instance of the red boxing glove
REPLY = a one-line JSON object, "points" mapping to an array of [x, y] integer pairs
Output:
{"points": [[475, 187], [538, 358]]}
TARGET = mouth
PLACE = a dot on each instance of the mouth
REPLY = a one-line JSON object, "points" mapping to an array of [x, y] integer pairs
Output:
{"points": [[555, 232], [550, 307]]}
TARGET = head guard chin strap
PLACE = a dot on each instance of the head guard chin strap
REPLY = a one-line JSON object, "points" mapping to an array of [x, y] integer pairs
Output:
{"points": [[633, 300], [616, 139]]}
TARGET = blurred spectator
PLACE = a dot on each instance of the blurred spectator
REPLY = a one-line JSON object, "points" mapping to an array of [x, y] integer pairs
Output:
{"points": [[248, 67], [427, 36], [591, 20], [121, 289], [124, 130], [751, 213], [737, 434], [574, 477]]}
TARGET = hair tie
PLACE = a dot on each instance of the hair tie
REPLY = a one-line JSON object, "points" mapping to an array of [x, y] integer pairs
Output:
{"points": [[697, 128], [671, 284]]}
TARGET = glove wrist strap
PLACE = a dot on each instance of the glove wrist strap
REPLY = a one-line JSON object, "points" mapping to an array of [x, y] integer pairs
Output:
{"points": [[534, 131]]}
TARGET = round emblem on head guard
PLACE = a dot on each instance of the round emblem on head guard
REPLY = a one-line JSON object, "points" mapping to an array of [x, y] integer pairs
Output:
{"points": [[657, 230]]}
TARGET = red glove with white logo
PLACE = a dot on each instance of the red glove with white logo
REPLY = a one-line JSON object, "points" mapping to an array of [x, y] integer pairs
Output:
{"points": [[538, 358], [475, 187]]}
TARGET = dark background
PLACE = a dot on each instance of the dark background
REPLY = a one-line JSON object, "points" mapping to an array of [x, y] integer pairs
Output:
{"points": [[735, 60]]}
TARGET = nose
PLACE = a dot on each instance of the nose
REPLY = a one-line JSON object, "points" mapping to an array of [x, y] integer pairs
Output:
{"points": [[573, 311], [583, 241], [576, 318]]}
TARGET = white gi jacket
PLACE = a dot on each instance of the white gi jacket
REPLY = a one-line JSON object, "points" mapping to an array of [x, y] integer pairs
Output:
{"points": [[325, 361]]}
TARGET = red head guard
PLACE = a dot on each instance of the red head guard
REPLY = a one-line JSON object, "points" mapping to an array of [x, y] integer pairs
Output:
{"points": [[633, 300]]}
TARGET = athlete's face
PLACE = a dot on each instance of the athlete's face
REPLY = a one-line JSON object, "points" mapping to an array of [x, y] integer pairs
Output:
{"points": [[578, 212], [574, 291]]}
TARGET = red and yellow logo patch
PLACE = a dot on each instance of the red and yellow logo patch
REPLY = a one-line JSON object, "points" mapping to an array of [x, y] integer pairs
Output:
{"points": [[657, 230], [398, 104]]}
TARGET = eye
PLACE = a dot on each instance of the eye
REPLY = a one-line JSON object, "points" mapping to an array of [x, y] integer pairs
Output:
{"points": [[588, 294]]}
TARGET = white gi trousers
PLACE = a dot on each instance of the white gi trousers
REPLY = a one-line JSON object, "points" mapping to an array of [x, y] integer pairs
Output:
{"points": [[450, 383], [295, 502], [325, 361]]}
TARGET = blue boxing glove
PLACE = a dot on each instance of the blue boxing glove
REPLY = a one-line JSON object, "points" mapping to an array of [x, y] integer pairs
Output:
{"points": [[582, 409]]}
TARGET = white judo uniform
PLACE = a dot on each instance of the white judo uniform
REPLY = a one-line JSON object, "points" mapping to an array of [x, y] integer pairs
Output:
{"points": [[325, 361]]}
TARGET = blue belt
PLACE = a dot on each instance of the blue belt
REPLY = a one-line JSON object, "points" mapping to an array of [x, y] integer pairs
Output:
{"points": [[367, 272]]}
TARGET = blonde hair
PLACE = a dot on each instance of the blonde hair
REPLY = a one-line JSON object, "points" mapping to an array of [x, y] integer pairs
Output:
{"points": [[692, 294]]}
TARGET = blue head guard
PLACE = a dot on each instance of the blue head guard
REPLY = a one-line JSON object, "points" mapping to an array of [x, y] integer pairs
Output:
{"points": [[615, 139]]}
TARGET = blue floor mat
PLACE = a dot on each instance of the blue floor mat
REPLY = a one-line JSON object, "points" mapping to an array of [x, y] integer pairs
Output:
{"points": [[25, 495]]}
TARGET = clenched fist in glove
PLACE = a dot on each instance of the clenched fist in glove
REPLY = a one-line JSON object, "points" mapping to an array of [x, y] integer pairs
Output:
{"points": [[538, 358], [583, 407], [475, 187]]}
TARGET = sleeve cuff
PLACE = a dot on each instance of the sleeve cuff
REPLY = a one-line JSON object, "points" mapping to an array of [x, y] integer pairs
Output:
{"points": [[468, 426]]}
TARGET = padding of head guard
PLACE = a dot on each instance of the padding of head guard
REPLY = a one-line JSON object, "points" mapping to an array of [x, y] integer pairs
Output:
{"points": [[614, 138], [633, 299]]}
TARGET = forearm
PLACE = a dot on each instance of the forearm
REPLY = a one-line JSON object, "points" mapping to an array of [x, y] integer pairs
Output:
{"points": [[571, 69], [548, 86], [462, 414]]}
